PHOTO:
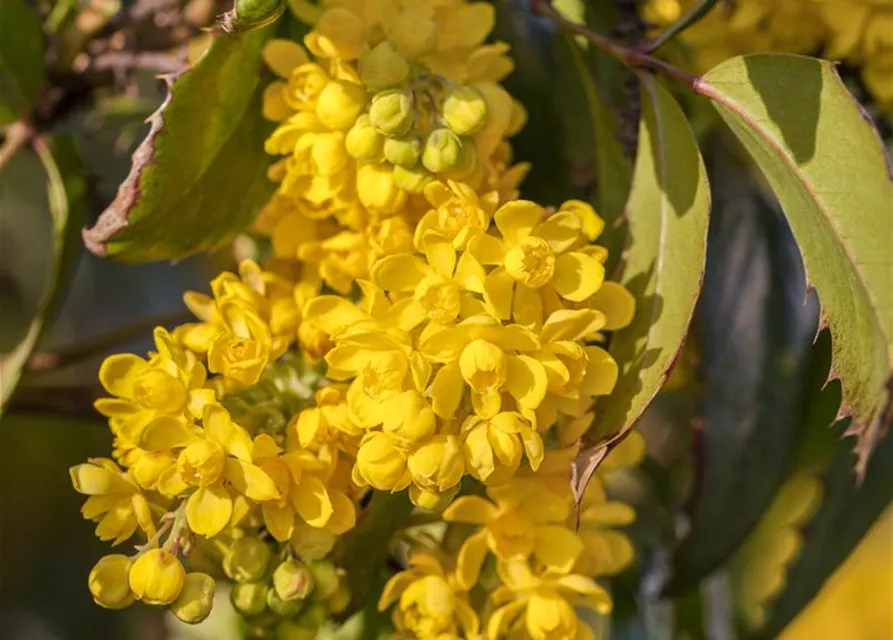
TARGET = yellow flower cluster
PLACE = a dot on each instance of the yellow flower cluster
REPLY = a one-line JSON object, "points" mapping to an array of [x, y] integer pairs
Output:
{"points": [[543, 567], [857, 31], [417, 329], [395, 95]]}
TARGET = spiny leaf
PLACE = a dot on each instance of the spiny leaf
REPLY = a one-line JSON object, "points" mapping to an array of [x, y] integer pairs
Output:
{"points": [[668, 212], [22, 68], [66, 186], [200, 175], [755, 333], [828, 169]]}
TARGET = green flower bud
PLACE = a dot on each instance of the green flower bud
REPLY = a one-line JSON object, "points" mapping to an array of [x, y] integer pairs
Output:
{"points": [[278, 605], [391, 113], [363, 142], [339, 600], [403, 152], [468, 158], [326, 576], [292, 581], [248, 560], [382, 67], [412, 180], [464, 110], [313, 616], [249, 598], [442, 149], [196, 599], [291, 630]]}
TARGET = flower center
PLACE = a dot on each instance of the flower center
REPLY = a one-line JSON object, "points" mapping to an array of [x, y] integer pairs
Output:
{"points": [[531, 262], [439, 298], [201, 463]]}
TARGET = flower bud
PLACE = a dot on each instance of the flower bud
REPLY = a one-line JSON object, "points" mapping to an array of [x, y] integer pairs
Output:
{"points": [[437, 464], [314, 342], [339, 600], [286, 609], [325, 577], [196, 600], [292, 581], [248, 560], [442, 149], [249, 598], [313, 616], [382, 67], [247, 15], [381, 463], [464, 110], [157, 577], [339, 104], [468, 158], [403, 152], [363, 142], [413, 180], [376, 189], [291, 630], [109, 583], [391, 113]]}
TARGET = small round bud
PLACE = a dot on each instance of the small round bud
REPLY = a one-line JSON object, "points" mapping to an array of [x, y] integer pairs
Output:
{"points": [[249, 598], [467, 162], [442, 149], [292, 581], [339, 104], [382, 67], [339, 600], [109, 584], [247, 15], [326, 577], [157, 577], [363, 142], [376, 189], [413, 180], [248, 560], [464, 110], [281, 607], [403, 152], [391, 113], [291, 630], [196, 599], [313, 616]]}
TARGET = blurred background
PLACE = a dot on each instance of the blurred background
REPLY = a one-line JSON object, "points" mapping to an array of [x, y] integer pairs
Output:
{"points": [[750, 523]]}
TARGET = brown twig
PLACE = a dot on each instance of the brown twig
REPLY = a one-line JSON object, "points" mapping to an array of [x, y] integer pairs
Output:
{"points": [[17, 135], [630, 57]]}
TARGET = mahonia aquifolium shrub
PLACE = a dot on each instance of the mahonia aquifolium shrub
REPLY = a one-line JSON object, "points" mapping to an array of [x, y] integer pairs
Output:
{"points": [[418, 328], [859, 32]]}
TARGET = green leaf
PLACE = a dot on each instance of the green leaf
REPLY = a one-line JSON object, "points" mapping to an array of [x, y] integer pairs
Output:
{"points": [[755, 333], [200, 176], [668, 212], [828, 169], [66, 186], [22, 68]]}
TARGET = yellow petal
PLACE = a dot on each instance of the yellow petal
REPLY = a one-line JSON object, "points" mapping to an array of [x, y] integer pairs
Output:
{"points": [[333, 314], [280, 521], [557, 547], [487, 249], [208, 510], [93, 480], [441, 256], [526, 381], [470, 510], [250, 480], [577, 276], [527, 306], [561, 230], [447, 390], [618, 305], [166, 433], [401, 272], [395, 588], [470, 558], [469, 273], [591, 223], [344, 514], [601, 373], [118, 373], [284, 55], [220, 428], [533, 447], [311, 501], [571, 324], [498, 288], [502, 619], [275, 108], [517, 218]]}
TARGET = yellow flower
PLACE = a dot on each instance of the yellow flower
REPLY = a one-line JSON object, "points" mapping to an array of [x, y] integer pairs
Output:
{"points": [[214, 466], [196, 598], [169, 383], [457, 215], [429, 601], [243, 351], [115, 500], [157, 577], [436, 466], [109, 584], [381, 463], [538, 257], [493, 446], [543, 605]]}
